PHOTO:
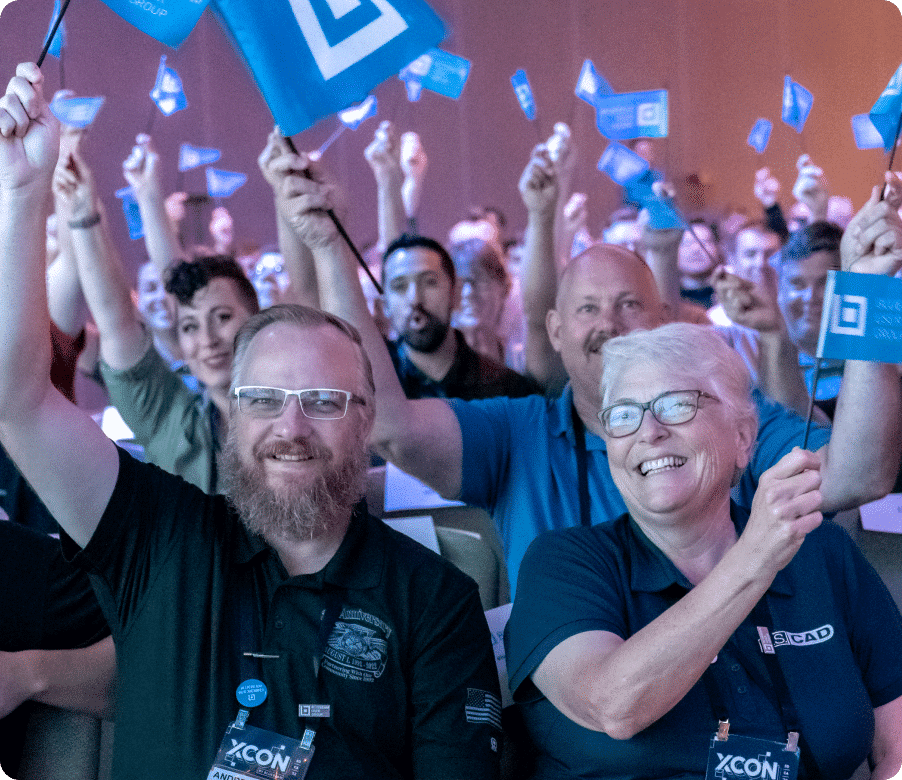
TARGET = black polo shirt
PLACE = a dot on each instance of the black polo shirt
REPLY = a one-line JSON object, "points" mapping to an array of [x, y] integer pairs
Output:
{"points": [[836, 631], [175, 571], [471, 376], [48, 604]]}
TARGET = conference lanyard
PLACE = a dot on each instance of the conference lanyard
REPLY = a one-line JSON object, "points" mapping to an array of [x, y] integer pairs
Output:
{"points": [[582, 468]]}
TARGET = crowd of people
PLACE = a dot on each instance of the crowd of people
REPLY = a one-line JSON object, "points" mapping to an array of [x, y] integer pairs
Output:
{"points": [[630, 411]]}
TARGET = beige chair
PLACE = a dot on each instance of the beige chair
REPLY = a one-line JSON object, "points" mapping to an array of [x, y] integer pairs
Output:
{"points": [[472, 555]]}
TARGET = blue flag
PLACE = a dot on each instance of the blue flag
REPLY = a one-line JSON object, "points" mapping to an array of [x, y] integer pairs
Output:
{"points": [[59, 40], [132, 212], [663, 213], [885, 113], [167, 92], [439, 71], [312, 58], [169, 21], [759, 137], [524, 94], [862, 318], [591, 85], [195, 156], [639, 191], [355, 116], [221, 184], [76, 111], [797, 102], [866, 135], [623, 165], [633, 115]]}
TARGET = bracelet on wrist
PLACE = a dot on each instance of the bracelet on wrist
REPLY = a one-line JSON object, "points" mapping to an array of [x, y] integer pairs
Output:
{"points": [[85, 222]]}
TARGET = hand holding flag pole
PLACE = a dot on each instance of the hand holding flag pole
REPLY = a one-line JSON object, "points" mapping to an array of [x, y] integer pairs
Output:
{"points": [[52, 33]]}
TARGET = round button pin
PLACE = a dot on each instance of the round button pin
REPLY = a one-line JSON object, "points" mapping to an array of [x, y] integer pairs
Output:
{"points": [[251, 693]]}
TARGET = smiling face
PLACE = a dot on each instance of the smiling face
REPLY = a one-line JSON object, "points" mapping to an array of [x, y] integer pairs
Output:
{"points": [[753, 248], [206, 331], [419, 297], [692, 259], [675, 474], [292, 475], [605, 292], [154, 304]]}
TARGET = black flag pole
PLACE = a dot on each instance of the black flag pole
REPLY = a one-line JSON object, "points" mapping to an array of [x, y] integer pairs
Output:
{"points": [[52, 33], [817, 375], [341, 230]]}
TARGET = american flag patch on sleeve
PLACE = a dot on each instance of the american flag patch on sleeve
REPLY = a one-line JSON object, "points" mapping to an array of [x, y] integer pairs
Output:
{"points": [[483, 707]]}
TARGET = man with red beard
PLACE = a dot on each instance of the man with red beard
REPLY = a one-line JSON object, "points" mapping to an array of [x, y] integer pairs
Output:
{"points": [[305, 625]]}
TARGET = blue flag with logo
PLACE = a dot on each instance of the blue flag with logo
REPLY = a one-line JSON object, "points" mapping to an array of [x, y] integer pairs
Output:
{"points": [[862, 318], [59, 40], [797, 102], [169, 21], [866, 135], [195, 156], [167, 91], [221, 184], [132, 212], [524, 94], [633, 115], [886, 111], [591, 85], [76, 111], [439, 71], [759, 137], [313, 58], [355, 116], [622, 164]]}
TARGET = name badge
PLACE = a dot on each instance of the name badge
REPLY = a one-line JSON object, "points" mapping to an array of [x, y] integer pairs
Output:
{"points": [[249, 753], [749, 758]]}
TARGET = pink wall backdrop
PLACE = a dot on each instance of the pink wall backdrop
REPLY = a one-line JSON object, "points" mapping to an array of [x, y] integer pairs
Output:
{"points": [[722, 60]]}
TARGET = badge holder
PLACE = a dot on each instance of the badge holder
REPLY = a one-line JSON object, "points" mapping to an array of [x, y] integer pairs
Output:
{"points": [[735, 756]]}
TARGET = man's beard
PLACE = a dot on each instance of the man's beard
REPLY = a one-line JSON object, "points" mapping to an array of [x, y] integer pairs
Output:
{"points": [[428, 338], [299, 512]]}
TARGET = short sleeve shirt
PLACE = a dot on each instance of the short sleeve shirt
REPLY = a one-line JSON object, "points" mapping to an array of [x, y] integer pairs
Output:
{"points": [[836, 631]]}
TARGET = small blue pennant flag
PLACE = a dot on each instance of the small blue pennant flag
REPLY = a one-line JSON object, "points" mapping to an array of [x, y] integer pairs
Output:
{"points": [[885, 113], [797, 102], [759, 137], [195, 156], [355, 116], [169, 21], [76, 111], [524, 94], [313, 58], [866, 135], [639, 191], [862, 318], [633, 115], [591, 85], [59, 40], [439, 71], [623, 165], [132, 212], [663, 213], [167, 92], [221, 184]]}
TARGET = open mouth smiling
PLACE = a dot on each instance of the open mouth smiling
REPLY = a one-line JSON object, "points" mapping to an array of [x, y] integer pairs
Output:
{"points": [[658, 465]]}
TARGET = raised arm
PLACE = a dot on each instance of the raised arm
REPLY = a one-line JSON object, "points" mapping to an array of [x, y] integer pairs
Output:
{"points": [[861, 460], [123, 340], [621, 686], [142, 171], [538, 271], [421, 437], [384, 156], [61, 451], [275, 161]]}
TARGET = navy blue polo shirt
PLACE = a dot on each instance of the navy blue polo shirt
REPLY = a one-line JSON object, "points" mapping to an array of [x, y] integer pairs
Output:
{"points": [[836, 630]]}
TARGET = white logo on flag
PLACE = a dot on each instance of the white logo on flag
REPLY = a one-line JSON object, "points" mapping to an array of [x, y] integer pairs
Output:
{"points": [[849, 315], [332, 60], [648, 114]]}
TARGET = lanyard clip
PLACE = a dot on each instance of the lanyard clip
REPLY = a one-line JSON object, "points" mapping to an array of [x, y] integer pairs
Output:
{"points": [[241, 719], [723, 731], [792, 743]]}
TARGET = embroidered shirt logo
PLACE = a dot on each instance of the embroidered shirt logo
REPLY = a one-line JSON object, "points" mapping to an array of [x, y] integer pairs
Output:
{"points": [[803, 638], [357, 648]]}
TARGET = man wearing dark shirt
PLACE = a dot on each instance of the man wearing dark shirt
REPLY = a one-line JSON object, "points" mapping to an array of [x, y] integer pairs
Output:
{"points": [[432, 359]]}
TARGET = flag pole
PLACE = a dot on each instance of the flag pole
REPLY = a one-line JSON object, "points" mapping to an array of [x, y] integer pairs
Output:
{"points": [[817, 374], [50, 36], [341, 229]]}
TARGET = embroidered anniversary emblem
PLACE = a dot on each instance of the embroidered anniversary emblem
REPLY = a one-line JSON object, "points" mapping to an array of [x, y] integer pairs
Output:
{"points": [[357, 648]]}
